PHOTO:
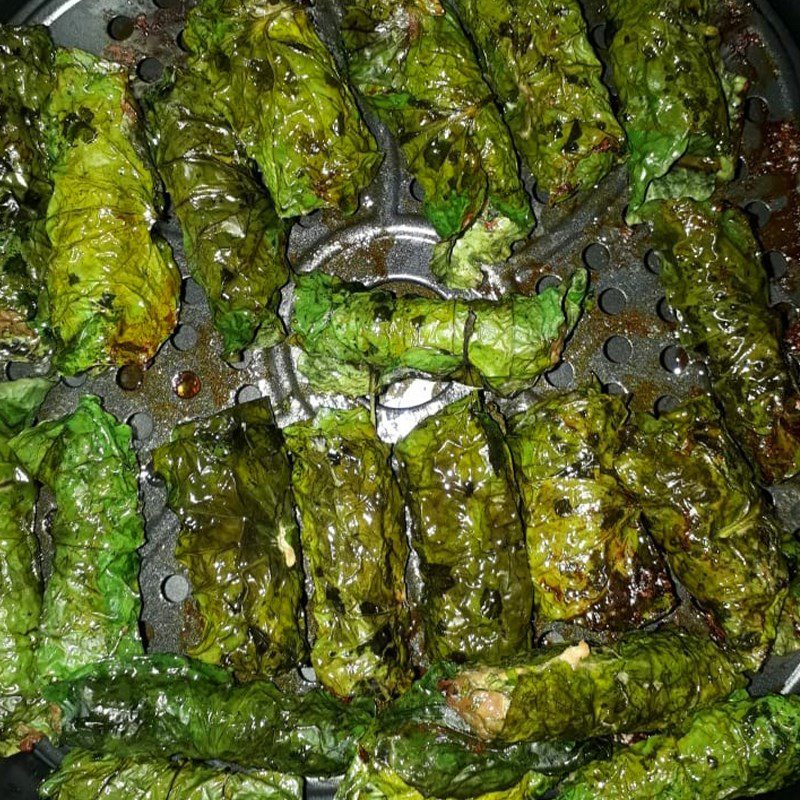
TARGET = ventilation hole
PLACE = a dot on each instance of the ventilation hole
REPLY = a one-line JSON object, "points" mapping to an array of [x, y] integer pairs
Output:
{"points": [[618, 350], [665, 403], [74, 381], [310, 220], [561, 377], [776, 263], [180, 40], [742, 170], [615, 388], [142, 425], [130, 377], [665, 311], [416, 190], [756, 109], [612, 301], [547, 282], [186, 384], [248, 393], [598, 36], [167, 3], [120, 28], [175, 588], [674, 359], [185, 338], [149, 69], [192, 293], [759, 211], [652, 261], [596, 256], [20, 369], [242, 362]]}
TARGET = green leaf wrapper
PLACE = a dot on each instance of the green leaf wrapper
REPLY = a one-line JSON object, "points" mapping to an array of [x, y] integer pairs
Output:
{"points": [[112, 288], [415, 68], [538, 60], [459, 483], [703, 508], [591, 560], [353, 535], [234, 241], [738, 749], [267, 71], [91, 600], [714, 280], [680, 106], [163, 705], [644, 682], [228, 479], [87, 776], [357, 340]]}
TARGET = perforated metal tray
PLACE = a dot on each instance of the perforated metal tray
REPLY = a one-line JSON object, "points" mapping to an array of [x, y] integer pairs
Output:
{"points": [[626, 340]]}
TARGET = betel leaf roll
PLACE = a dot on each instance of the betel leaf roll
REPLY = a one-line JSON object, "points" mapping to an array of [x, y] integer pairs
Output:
{"points": [[714, 280], [26, 80], [703, 508], [234, 241], [83, 775], [680, 105], [538, 60], [163, 705], [477, 597], [357, 340], [590, 558], [229, 481], [267, 71], [420, 739], [643, 682], [737, 749], [91, 600], [353, 536], [112, 286], [415, 67]]}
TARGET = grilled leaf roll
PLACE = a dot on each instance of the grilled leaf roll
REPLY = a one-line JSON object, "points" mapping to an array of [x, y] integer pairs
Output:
{"points": [[738, 749], [88, 776], [459, 483], [415, 67], [234, 241], [680, 105], [591, 560], [112, 288], [703, 508], [26, 80], [538, 60], [163, 705], [229, 481], [270, 75], [353, 536], [713, 279], [644, 682], [91, 600], [357, 340]]}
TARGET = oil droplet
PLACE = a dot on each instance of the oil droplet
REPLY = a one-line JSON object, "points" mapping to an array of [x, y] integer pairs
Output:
{"points": [[186, 384], [130, 377]]}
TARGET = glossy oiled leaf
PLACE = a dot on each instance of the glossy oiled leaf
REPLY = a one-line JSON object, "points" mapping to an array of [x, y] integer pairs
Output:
{"points": [[538, 60], [234, 241], [415, 67], [228, 479], [267, 71], [357, 340], [353, 535], [91, 601], [644, 682], [738, 749], [590, 558], [714, 280], [680, 106], [459, 482], [113, 288], [163, 706], [704, 509], [89, 776]]}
